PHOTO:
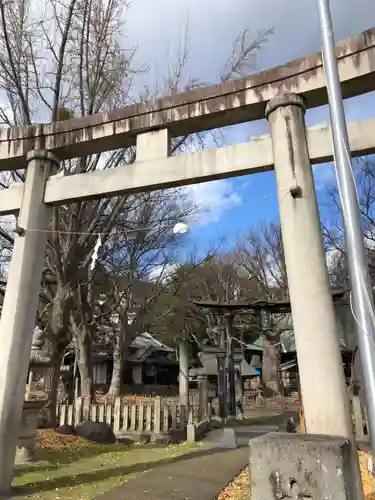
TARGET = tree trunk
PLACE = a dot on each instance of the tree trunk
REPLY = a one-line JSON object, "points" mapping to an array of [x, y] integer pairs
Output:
{"points": [[271, 364], [84, 361], [51, 384], [120, 354], [118, 368]]}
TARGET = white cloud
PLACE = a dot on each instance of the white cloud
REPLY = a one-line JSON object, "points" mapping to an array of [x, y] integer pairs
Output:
{"points": [[213, 198], [162, 273], [296, 28]]}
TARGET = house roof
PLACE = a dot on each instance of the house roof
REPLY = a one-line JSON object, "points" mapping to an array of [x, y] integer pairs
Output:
{"points": [[275, 306], [254, 347], [209, 366], [145, 340], [144, 344]]}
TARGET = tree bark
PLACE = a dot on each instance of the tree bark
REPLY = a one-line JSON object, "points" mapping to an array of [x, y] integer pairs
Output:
{"points": [[84, 362], [118, 368], [120, 355], [51, 384], [271, 364]]}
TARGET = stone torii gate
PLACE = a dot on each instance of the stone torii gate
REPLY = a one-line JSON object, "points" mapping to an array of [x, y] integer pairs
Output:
{"points": [[290, 149]]}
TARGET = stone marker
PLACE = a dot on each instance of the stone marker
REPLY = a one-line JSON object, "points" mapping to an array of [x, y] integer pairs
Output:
{"points": [[297, 466], [28, 431], [229, 439], [190, 434]]}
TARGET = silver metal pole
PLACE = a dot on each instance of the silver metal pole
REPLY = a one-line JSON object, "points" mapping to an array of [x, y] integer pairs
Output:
{"points": [[362, 300]]}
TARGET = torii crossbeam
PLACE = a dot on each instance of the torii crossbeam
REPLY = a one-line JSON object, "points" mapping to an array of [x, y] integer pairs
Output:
{"points": [[281, 95]]}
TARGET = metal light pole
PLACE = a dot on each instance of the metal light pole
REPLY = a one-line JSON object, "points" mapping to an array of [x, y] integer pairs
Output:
{"points": [[362, 300]]}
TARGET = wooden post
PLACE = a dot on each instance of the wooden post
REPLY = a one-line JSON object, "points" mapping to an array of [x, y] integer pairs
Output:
{"points": [[94, 413], [184, 373], [141, 416], [125, 417], [203, 397], [148, 417], [133, 417], [86, 409], [221, 385], [117, 415], [101, 412], [183, 417], [108, 413], [239, 391], [70, 414], [165, 417], [62, 414], [78, 411], [157, 416]]}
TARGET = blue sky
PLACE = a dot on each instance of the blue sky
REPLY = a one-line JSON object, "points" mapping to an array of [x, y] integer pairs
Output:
{"points": [[238, 204]]}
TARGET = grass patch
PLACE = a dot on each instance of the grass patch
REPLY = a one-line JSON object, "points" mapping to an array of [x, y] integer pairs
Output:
{"points": [[81, 470]]}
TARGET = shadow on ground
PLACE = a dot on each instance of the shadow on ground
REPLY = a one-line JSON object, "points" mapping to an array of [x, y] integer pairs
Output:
{"points": [[51, 460], [97, 475]]}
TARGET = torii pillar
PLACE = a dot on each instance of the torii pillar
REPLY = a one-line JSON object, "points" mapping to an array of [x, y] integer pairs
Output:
{"points": [[325, 400], [321, 372], [20, 305]]}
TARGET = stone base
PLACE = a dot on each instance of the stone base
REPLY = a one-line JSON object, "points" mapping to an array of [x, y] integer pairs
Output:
{"points": [[229, 439], [191, 434], [24, 454], [171, 437], [29, 466], [301, 466]]}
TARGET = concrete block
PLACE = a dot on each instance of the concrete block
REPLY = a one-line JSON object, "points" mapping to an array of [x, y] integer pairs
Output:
{"points": [[191, 434], [161, 439], [300, 466], [143, 438], [229, 439]]}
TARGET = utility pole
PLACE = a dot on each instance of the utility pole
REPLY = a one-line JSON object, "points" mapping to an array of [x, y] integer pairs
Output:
{"points": [[361, 291]]}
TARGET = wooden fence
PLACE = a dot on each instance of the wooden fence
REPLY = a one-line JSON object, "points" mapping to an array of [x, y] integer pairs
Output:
{"points": [[153, 415]]}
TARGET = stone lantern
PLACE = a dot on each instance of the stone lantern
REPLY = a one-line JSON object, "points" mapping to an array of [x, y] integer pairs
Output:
{"points": [[39, 362]]}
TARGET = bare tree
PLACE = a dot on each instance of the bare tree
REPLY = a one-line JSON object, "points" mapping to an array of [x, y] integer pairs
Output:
{"points": [[216, 280], [140, 257], [364, 171], [71, 58], [261, 257]]}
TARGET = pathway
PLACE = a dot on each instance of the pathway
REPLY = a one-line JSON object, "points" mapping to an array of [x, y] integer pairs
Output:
{"points": [[199, 475]]}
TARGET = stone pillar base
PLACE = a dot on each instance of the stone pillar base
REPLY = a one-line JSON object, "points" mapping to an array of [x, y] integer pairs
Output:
{"points": [[301, 466], [24, 454], [191, 434]]}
